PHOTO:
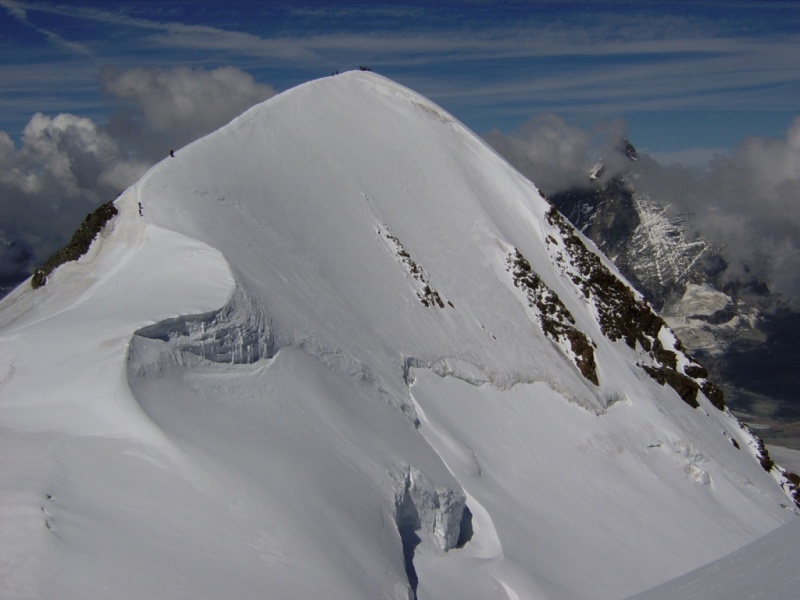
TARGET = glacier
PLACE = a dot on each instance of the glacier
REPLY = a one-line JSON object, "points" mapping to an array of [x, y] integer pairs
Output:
{"points": [[300, 363]]}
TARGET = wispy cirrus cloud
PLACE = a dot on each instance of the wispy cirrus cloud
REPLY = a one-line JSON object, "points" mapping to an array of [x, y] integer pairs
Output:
{"points": [[531, 37], [600, 60], [172, 34], [19, 11]]}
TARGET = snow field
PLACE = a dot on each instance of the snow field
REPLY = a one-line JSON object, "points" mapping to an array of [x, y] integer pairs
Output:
{"points": [[240, 393]]}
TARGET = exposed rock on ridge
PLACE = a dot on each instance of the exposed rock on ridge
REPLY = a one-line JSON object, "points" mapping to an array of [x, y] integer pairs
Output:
{"points": [[556, 321], [625, 316], [79, 243]]}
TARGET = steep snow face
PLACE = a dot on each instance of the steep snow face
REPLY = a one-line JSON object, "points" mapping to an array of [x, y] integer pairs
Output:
{"points": [[339, 348], [359, 191]]}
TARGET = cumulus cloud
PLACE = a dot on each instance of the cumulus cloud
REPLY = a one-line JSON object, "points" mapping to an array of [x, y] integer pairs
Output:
{"points": [[65, 166], [746, 204], [751, 202], [547, 150], [179, 104], [15, 259], [557, 155]]}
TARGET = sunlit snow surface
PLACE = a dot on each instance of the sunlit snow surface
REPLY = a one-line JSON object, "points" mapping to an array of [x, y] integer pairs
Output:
{"points": [[293, 421], [767, 569]]}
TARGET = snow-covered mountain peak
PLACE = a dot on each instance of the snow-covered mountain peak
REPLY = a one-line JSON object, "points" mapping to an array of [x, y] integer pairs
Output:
{"points": [[340, 348], [353, 181]]}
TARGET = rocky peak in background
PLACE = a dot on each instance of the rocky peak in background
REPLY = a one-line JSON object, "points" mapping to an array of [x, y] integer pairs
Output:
{"points": [[681, 275]]}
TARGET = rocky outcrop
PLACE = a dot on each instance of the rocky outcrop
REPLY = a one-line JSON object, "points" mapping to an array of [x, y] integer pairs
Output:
{"points": [[426, 293], [625, 315], [556, 321], [78, 244]]}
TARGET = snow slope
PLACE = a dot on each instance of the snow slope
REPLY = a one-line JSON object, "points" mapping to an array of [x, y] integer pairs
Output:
{"points": [[766, 569], [313, 368]]}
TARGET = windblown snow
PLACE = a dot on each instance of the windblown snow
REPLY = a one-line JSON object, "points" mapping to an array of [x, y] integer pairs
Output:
{"points": [[306, 370]]}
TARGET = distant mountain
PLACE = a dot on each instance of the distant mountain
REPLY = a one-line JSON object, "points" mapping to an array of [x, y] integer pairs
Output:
{"points": [[340, 349], [649, 247], [722, 323]]}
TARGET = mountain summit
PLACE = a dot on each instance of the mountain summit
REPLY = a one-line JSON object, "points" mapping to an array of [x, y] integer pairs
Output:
{"points": [[340, 349]]}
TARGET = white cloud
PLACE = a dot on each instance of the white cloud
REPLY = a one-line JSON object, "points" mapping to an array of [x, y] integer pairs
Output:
{"points": [[746, 203], [758, 189], [67, 165], [185, 102], [555, 154], [170, 34]]}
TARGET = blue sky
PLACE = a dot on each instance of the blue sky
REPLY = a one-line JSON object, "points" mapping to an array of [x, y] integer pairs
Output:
{"points": [[683, 75]]}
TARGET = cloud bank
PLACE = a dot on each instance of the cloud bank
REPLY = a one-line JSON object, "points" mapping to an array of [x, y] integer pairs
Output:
{"points": [[557, 155], [177, 105], [750, 204], [747, 204], [67, 165]]}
